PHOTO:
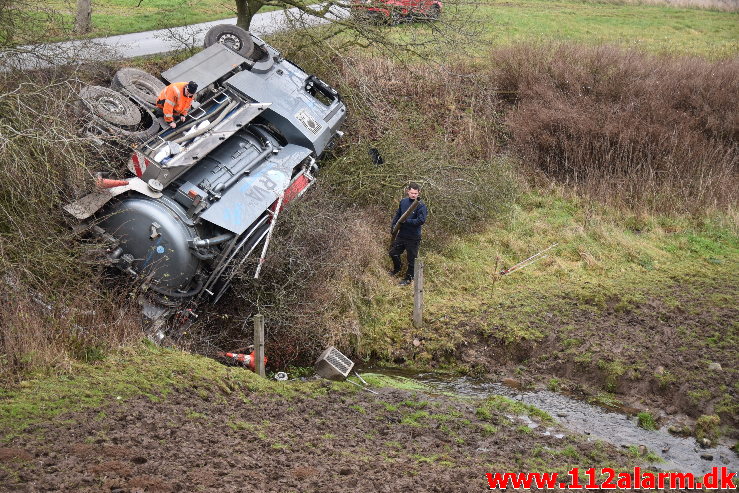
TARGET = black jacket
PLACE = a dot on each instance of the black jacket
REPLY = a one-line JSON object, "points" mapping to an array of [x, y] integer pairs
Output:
{"points": [[411, 228]]}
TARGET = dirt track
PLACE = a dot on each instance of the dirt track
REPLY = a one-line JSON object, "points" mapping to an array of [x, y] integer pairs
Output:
{"points": [[331, 440]]}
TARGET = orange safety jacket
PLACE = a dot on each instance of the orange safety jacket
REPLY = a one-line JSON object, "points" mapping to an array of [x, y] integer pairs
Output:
{"points": [[172, 101]]}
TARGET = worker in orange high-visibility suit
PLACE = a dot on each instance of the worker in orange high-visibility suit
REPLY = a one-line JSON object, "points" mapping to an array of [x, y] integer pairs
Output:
{"points": [[174, 101]]}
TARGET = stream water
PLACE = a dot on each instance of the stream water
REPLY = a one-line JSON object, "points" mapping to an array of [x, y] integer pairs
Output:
{"points": [[678, 453]]}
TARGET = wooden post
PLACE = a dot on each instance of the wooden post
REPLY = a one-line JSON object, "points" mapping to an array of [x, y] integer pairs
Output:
{"points": [[418, 293], [259, 344]]}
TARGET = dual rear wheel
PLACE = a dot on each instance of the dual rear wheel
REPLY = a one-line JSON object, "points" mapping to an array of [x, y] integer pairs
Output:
{"points": [[125, 110], [114, 113]]}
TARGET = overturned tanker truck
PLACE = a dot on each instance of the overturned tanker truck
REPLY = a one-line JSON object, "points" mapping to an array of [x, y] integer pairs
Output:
{"points": [[203, 197]]}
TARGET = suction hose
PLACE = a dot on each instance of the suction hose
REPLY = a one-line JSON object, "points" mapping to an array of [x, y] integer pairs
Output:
{"points": [[215, 122]]}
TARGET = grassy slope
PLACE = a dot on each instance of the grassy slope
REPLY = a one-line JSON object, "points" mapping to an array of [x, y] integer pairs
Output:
{"points": [[617, 298], [611, 271], [600, 255], [648, 27]]}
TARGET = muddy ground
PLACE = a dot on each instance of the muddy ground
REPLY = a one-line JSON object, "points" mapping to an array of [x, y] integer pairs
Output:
{"points": [[330, 439], [672, 355]]}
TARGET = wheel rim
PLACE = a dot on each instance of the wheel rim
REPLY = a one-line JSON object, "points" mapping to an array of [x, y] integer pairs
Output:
{"points": [[144, 88], [111, 105], [231, 41]]}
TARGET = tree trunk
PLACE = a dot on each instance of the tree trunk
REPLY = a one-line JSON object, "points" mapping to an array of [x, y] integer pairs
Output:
{"points": [[245, 10], [83, 21], [243, 18]]}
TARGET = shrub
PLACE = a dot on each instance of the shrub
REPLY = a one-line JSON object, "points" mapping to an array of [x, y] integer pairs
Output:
{"points": [[651, 132], [707, 426], [323, 260], [54, 310], [646, 421]]}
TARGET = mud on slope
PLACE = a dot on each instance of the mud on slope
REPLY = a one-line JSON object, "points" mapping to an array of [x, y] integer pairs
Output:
{"points": [[332, 439], [671, 354]]}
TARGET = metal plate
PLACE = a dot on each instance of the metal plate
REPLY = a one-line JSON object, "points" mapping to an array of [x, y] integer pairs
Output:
{"points": [[91, 203], [192, 153], [206, 67], [245, 201], [332, 364]]}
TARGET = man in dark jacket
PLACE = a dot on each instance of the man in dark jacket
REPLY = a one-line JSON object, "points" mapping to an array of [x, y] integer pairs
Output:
{"points": [[409, 235]]}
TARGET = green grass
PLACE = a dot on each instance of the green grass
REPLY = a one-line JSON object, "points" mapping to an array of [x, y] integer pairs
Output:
{"points": [[650, 27], [397, 382], [135, 371], [498, 404], [646, 420], [111, 17], [597, 263]]}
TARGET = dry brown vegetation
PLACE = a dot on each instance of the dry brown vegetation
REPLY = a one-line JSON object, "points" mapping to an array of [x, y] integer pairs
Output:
{"points": [[321, 264], [649, 132], [82, 324], [722, 5], [54, 309], [644, 132], [641, 131]]}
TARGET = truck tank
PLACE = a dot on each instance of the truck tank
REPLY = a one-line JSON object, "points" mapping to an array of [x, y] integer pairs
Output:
{"points": [[203, 197]]}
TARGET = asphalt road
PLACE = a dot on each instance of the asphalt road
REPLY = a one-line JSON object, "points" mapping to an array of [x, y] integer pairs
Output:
{"points": [[140, 44]]}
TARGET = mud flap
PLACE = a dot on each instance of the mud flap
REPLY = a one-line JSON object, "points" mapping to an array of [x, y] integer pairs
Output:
{"points": [[90, 204]]}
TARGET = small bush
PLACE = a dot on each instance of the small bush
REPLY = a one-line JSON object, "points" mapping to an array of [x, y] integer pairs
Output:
{"points": [[646, 421], [707, 427]]}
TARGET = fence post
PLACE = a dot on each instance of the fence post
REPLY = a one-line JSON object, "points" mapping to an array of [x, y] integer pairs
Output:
{"points": [[259, 344], [418, 293]]}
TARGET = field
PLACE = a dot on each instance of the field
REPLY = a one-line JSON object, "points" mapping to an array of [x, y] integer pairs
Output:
{"points": [[646, 27], [606, 129], [111, 17], [203, 425], [708, 31]]}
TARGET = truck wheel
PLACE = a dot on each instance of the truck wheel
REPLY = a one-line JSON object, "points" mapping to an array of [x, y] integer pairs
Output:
{"points": [[110, 106], [149, 126], [93, 108], [233, 37], [141, 85]]}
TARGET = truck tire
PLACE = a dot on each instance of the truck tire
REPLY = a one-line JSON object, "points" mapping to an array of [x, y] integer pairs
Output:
{"points": [[143, 86], [149, 126], [127, 120], [110, 106], [233, 37]]}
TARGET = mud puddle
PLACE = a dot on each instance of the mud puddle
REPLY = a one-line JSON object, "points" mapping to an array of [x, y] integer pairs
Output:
{"points": [[677, 453]]}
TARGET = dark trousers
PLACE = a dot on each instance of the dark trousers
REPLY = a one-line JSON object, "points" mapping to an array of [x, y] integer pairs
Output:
{"points": [[159, 113], [399, 246]]}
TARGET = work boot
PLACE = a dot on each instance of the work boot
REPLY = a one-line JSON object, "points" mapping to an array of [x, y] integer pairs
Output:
{"points": [[405, 282]]}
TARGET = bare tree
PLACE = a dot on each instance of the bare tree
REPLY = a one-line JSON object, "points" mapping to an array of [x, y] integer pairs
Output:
{"points": [[365, 23], [83, 20]]}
